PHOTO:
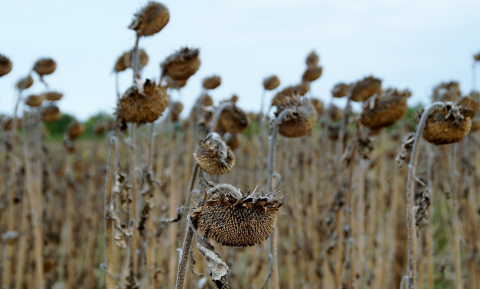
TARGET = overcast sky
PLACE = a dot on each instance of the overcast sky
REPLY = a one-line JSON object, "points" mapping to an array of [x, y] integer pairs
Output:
{"points": [[407, 43]]}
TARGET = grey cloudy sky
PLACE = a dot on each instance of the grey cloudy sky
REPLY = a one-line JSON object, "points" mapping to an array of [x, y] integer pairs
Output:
{"points": [[407, 43]]}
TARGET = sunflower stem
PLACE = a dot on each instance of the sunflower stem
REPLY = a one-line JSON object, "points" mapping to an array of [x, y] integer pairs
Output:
{"points": [[411, 226], [455, 221], [270, 188], [187, 242], [107, 203], [218, 112], [135, 59]]}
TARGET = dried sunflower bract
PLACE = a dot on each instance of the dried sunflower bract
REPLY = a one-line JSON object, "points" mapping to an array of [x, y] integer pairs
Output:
{"points": [[235, 219]]}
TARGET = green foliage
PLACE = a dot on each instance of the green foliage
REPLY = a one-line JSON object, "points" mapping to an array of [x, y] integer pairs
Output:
{"points": [[90, 123], [56, 129]]}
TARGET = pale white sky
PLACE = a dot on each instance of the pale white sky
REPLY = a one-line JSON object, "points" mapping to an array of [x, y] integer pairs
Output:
{"points": [[407, 43]]}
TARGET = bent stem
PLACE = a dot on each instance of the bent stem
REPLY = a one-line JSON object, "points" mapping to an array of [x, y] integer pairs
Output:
{"points": [[182, 263], [217, 114], [270, 188], [411, 226], [455, 221]]}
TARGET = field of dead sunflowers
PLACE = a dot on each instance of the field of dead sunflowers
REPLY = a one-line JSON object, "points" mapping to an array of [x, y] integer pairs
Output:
{"points": [[298, 194]]}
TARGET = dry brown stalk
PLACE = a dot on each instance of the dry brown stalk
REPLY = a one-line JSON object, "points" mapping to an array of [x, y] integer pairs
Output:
{"points": [[455, 221], [412, 235], [108, 207]]}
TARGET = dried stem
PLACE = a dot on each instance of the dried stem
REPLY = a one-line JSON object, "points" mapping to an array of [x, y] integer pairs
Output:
{"points": [[36, 208], [411, 227], [216, 116], [182, 263], [108, 208], [7, 260], [133, 205], [429, 230], [270, 188], [135, 59], [455, 221]]}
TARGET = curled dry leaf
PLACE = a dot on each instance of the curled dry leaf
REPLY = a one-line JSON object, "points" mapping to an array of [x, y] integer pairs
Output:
{"points": [[407, 146]]}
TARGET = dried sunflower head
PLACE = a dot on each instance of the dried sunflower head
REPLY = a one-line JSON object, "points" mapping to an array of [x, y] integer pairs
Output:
{"points": [[52, 95], [365, 88], [7, 122], [340, 90], [312, 73], [5, 65], [177, 108], [74, 130], [182, 64], [232, 140], [271, 82], [450, 123], [50, 113], [45, 66], [120, 64], [34, 100], [102, 126], [25, 82], [142, 58], [312, 59], [475, 125], [69, 146], [213, 155], [446, 91], [385, 109], [151, 19], [334, 112], [289, 92], [212, 82], [143, 105], [318, 105], [300, 120], [235, 219], [233, 119], [175, 84], [476, 57]]}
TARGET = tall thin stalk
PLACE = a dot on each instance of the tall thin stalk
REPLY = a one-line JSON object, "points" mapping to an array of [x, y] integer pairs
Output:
{"points": [[411, 227], [271, 188], [429, 230], [8, 255], [455, 221], [182, 263], [135, 59], [108, 208], [36, 208], [133, 205]]}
